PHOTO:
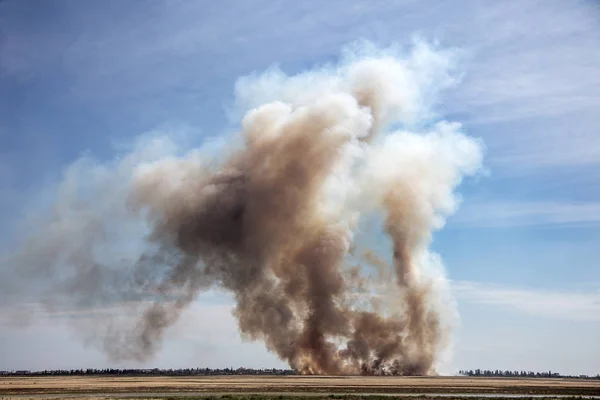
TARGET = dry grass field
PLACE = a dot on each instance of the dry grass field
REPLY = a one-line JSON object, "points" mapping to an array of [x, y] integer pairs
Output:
{"points": [[284, 386]]}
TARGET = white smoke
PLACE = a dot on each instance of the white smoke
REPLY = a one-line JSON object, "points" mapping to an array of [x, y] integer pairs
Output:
{"points": [[334, 146]]}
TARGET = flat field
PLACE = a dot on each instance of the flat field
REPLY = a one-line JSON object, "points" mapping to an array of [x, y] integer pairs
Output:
{"points": [[281, 387]]}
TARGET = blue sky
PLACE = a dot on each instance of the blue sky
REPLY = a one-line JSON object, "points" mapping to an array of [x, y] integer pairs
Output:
{"points": [[81, 77]]}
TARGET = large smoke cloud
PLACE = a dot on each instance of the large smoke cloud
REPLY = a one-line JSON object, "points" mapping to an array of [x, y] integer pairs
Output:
{"points": [[278, 219]]}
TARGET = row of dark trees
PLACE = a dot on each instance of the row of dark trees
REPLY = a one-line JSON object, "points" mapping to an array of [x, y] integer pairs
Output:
{"points": [[521, 374], [252, 371], [152, 372]]}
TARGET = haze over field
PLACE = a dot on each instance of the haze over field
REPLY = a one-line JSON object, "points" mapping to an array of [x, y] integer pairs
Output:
{"points": [[283, 192]]}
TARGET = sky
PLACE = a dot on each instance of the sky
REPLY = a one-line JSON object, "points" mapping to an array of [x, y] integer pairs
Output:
{"points": [[81, 77]]}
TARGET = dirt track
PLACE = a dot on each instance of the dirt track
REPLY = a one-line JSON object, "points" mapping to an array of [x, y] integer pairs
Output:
{"points": [[293, 384]]}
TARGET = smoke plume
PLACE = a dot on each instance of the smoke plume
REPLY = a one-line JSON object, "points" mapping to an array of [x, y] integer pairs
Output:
{"points": [[279, 218]]}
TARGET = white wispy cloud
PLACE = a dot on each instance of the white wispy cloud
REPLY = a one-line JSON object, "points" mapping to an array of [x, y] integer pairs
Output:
{"points": [[531, 86], [533, 55], [569, 305], [528, 213], [533, 59]]}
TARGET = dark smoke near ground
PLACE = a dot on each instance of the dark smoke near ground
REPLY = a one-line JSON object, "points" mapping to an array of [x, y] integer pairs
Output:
{"points": [[273, 221]]}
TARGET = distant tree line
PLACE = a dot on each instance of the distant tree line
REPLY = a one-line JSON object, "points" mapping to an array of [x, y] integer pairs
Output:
{"points": [[152, 372], [261, 371], [521, 374]]}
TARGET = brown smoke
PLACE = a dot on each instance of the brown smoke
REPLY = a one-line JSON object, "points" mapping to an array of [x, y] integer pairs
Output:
{"points": [[274, 223]]}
